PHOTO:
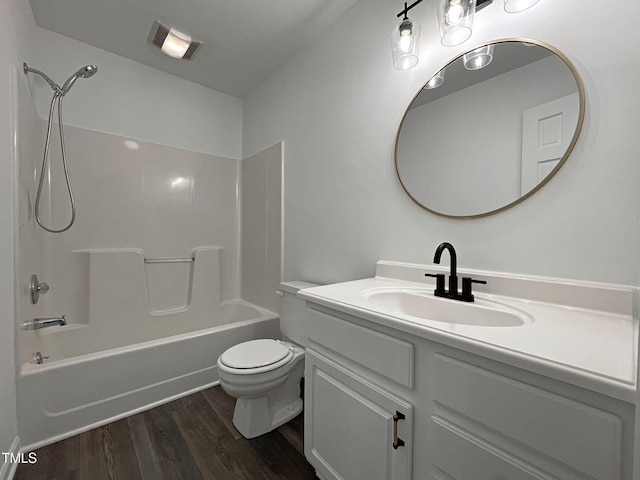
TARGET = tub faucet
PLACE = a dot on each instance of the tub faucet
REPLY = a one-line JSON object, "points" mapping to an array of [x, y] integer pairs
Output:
{"points": [[466, 295], [48, 322]]}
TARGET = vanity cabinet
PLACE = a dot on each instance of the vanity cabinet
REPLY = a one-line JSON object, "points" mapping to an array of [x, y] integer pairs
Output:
{"points": [[354, 428], [464, 416]]}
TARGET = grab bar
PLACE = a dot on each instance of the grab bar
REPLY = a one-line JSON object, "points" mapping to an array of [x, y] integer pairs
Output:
{"points": [[169, 260]]}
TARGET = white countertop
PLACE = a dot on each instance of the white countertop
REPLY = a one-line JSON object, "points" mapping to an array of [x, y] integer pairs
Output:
{"points": [[594, 348]]}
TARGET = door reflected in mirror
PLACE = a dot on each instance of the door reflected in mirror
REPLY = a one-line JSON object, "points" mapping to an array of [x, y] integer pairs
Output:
{"points": [[484, 140]]}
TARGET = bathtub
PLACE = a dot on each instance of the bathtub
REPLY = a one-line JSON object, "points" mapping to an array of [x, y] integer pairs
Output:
{"points": [[66, 396]]}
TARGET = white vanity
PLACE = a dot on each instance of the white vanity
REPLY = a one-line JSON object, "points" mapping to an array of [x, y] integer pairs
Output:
{"points": [[534, 380]]}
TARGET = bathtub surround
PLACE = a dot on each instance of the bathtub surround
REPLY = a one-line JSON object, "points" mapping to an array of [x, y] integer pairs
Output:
{"points": [[136, 200], [150, 270]]}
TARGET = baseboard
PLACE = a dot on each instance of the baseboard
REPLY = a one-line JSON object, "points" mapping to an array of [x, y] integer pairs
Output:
{"points": [[8, 468]]}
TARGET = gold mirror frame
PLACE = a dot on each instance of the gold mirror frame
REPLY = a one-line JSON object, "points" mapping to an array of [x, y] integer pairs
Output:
{"points": [[551, 174]]}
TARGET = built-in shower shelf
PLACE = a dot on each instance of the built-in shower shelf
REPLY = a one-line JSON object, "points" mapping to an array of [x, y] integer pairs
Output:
{"points": [[125, 280]]}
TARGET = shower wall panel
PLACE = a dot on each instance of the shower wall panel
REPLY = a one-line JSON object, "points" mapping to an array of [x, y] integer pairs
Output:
{"points": [[131, 195], [261, 227]]}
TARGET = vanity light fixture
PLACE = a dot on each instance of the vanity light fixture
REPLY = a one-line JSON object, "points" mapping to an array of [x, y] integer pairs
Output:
{"points": [[405, 41], [173, 42], [455, 19], [405, 37], [478, 58]]}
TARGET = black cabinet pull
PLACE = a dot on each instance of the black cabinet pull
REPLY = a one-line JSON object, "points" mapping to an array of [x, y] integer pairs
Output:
{"points": [[397, 442]]}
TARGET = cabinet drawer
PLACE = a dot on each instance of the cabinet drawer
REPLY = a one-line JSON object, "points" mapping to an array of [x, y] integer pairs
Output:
{"points": [[383, 354], [462, 456], [580, 436]]}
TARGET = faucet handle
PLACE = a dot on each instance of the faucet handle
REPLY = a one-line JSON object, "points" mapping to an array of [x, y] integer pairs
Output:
{"points": [[39, 358], [467, 296], [37, 288], [439, 281]]}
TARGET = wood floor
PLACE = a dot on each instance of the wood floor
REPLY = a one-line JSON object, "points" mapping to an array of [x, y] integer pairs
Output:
{"points": [[190, 438]]}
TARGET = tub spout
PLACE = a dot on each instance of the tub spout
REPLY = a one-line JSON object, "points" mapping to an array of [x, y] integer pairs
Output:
{"points": [[48, 322]]}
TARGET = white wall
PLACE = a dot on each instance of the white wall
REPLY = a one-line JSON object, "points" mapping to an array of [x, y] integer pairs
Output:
{"points": [[15, 23], [130, 99], [337, 106]]}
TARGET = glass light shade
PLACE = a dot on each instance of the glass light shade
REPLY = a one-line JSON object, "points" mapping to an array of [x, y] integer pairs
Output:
{"points": [[436, 80], [455, 18], [405, 44], [176, 44], [515, 6], [478, 58]]}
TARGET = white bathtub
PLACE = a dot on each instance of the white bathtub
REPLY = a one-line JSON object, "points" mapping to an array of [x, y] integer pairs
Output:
{"points": [[66, 396]]}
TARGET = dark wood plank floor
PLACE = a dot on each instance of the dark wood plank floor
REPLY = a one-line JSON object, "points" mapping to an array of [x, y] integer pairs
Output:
{"points": [[191, 438]]}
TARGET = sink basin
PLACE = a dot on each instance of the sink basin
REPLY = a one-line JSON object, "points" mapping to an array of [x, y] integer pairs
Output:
{"points": [[423, 304]]}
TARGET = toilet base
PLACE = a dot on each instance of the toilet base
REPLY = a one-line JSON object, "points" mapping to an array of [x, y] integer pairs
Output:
{"points": [[253, 417]]}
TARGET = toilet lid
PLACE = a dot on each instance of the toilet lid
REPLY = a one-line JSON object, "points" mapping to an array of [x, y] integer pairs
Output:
{"points": [[255, 354]]}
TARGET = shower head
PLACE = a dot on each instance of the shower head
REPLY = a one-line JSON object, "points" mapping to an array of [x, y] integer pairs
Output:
{"points": [[84, 72], [87, 71]]}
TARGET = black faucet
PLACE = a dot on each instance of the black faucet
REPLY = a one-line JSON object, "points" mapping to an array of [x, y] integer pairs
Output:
{"points": [[453, 275], [466, 295]]}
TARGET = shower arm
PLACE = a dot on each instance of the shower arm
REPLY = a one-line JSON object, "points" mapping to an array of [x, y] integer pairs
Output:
{"points": [[56, 88]]}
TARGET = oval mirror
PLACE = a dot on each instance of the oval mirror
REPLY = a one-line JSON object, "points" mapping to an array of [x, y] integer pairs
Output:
{"points": [[479, 139]]}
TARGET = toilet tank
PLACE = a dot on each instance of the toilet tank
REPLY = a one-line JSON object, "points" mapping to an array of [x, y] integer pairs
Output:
{"points": [[292, 312]]}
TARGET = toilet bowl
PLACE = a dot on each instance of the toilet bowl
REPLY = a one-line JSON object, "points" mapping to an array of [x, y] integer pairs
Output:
{"points": [[264, 375]]}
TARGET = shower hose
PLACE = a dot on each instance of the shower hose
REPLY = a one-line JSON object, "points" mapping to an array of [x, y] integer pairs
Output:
{"points": [[56, 102]]}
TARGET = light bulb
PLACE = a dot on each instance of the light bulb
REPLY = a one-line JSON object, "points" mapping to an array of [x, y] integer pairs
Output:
{"points": [[176, 44], [454, 13]]}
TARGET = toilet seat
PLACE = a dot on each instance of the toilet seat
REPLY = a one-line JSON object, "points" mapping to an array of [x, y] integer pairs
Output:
{"points": [[256, 356]]}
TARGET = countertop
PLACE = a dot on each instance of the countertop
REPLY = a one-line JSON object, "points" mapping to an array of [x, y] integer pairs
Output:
{"points": [[592, 348]]}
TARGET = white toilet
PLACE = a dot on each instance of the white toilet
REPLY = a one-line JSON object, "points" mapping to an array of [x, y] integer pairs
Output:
{"points": [[264, 375]]}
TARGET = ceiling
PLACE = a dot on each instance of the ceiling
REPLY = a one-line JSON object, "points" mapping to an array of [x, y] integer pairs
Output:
{"points": [[244, 41]]}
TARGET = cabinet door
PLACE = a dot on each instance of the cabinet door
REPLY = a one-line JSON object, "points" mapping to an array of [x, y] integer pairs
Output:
{"points": [[350, 425]]}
